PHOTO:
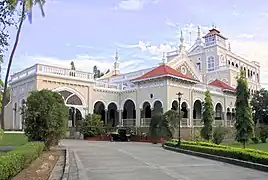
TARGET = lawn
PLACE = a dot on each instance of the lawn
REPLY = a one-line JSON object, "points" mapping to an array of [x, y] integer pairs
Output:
{"points": [[260, 146], [15, 139]]}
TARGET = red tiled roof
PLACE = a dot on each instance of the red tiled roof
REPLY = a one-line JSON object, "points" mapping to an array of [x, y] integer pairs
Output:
{"points": [[164, 70], [222, 85], [214, 31]]}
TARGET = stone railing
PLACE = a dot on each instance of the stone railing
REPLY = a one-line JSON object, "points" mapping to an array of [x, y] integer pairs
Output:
{"points": [[128, 122], [99, 84], [145, 122], [52, 70]]}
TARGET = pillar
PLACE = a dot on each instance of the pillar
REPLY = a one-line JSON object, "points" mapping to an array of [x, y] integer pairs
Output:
{"points": [[189, 119], [138, 117], [106, 117], [120, 122]]}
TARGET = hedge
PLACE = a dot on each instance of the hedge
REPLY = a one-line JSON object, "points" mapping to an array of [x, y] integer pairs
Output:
{"points": [[14, 161], [250, 155], [209, 144]]}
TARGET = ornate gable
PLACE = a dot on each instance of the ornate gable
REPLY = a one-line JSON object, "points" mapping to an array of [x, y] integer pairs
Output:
{"points": [[195, 49], [184, 65]]}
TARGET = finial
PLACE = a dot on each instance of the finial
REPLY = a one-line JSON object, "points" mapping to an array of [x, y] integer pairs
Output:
{"points": [[198, 32], [181, 39], [116, 55], [164, 58]]}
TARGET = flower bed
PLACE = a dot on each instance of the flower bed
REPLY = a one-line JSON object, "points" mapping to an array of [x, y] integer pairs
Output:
{"points": [[14, 161], [251, 155]]}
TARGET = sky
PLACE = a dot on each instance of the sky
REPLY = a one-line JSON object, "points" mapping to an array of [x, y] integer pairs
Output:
{"points": [[90, 32]]}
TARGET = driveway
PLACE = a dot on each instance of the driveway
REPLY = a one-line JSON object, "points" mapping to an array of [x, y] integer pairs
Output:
{"points": [[144, 161]]}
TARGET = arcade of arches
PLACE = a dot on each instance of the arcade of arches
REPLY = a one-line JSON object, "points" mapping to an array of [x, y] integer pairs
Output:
{"points": [[112, 114]]}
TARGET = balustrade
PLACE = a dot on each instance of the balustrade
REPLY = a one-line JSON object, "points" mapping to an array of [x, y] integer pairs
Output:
{"points": [[129, 122], [145, 122]]}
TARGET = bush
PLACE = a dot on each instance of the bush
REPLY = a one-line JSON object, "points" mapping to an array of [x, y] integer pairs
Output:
{"points": [[14, 161], [155, 126], [1, 134], [92, 126], [263, 131], [212, 145], [45, 117], [236, 153], [219, 134], [255, 139]]}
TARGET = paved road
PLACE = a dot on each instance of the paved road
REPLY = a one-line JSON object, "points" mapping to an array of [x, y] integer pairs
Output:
{"points": [[144, 161]]}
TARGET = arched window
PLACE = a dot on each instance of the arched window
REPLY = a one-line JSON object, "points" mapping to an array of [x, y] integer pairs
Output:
{"points": [[211, 63]]}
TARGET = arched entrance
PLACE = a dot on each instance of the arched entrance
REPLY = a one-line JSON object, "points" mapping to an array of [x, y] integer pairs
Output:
{"points": [[75, 105], [129, 114], [157, 107], [175, 105], [197, 113], [146, 114], [113, 120], [99, 108], [219, 115]]}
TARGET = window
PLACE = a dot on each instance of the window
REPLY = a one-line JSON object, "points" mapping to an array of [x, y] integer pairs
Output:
{"points": [[198, 66], [211, 63]]}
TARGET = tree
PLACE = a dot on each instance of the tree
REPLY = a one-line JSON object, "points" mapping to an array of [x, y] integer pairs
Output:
{"points": [[169, 123], [243, 115], [259, 104], [26, 7], [92, 126], [97, 73], [45, 117], [155, 125], [207, 117]]}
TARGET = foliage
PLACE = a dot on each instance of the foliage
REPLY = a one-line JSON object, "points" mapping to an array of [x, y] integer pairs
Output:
{"points": [[13, 139], [243, 115], [11, 163], [26, 8], [263, 133], [6, 20], [207, 118], [169, 123], [92, 126], [97, 73], [155, 129], [45, 117], [255, 139], [259, 104], [250, 155], [1, 134], [219, 134]]}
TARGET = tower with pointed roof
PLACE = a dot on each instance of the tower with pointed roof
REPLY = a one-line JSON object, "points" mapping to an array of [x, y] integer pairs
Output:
{"points": [[116, 70], [214, 37]]}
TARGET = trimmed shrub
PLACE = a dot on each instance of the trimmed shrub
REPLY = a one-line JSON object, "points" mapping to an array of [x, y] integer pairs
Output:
{"points": [[255, 140], [46, 117], [92, 126], [263, 131], [219, 134], [14, 161], [250, 155]]}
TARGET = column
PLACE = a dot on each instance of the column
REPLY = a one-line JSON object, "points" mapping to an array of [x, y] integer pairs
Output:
{"points": [[120, 122], [106, 117], [138, 117], [189, 121]]}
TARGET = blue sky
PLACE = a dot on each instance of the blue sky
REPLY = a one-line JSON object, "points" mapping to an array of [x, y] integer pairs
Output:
{"points": [[89, 32]]}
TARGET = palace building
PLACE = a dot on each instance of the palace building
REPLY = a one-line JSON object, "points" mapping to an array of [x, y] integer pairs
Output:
{"points": [[130, 99]]}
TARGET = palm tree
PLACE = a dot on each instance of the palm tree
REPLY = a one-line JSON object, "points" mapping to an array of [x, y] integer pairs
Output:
{"points": [[27, 6]]}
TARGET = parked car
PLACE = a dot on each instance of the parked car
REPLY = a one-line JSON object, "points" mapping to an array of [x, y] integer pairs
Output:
{"points": [[120, 134]]}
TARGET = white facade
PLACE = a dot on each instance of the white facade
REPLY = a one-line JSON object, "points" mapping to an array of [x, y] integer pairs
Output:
{"points": [[130, 99]]}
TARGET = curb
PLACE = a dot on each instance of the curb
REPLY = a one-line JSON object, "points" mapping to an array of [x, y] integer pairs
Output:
{"points": [[246, 164], [65, 174]]}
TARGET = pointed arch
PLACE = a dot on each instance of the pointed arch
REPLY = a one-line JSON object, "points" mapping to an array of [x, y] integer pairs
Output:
{"points": [[123, 103], [70, 90]]}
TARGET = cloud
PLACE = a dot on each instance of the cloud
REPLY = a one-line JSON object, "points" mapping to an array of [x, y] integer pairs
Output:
{"points": [[134, 5], [246, 36]]}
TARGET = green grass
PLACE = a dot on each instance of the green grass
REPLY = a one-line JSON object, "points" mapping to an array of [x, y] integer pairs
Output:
{"points": [[260, 146], [13, 140]]}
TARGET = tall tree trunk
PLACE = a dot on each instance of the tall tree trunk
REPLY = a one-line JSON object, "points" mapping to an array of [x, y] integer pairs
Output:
{"points": [[10, 63]]}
